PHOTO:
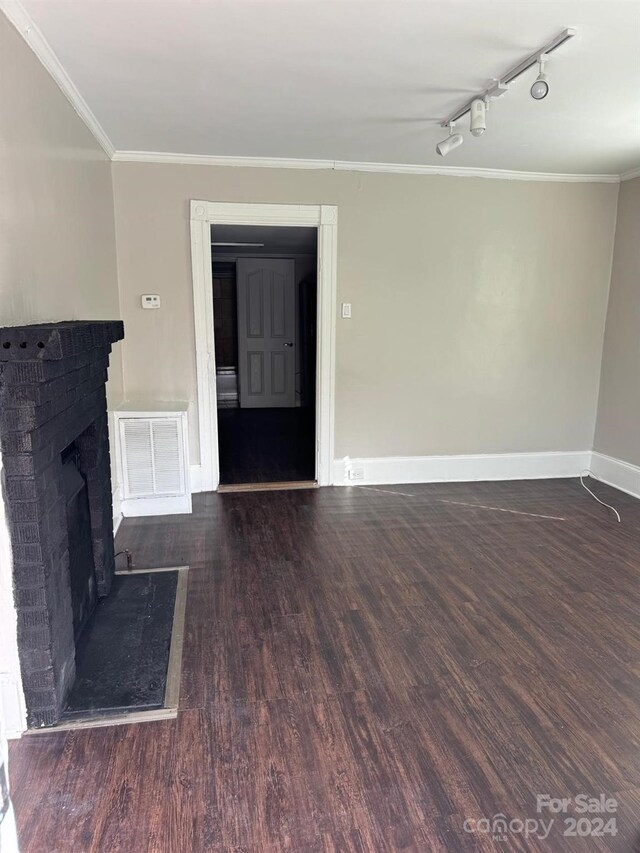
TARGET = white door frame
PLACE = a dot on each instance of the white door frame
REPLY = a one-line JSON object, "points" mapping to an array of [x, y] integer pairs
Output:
{"points": [[324, 217]]}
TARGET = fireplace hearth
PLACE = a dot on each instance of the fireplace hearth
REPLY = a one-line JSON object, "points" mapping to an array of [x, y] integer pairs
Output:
{"points": [[57, 491]]}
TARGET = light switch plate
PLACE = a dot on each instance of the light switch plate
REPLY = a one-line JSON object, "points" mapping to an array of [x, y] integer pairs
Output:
{"points": [[346, 310], [150, 300]]}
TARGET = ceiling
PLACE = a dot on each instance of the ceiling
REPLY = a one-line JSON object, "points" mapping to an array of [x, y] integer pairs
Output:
{"points": [[276, 240], [354, 80]]}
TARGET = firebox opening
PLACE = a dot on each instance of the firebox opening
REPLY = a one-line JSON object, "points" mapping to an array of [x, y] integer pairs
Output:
{"points": [[84, 593]]}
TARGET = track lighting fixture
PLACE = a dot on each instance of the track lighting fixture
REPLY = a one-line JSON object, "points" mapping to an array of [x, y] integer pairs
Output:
{"points": [[496, 91], [477, 120], [454, 140], [477, 105], [540, 88]]}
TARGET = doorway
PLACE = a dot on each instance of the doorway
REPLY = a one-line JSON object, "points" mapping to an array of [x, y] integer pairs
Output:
{"points": [[264, 282], [205, 474]]}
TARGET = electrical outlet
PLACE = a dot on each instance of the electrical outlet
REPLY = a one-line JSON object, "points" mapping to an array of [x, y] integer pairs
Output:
{"points": [[355, 473], [150, 300]]}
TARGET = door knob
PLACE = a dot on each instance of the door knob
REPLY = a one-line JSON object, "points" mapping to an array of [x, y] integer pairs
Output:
{"points": [[288, 344]]}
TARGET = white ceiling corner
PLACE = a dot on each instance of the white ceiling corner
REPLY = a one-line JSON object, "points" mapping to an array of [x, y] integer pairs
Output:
{"points": [[22, 21]]}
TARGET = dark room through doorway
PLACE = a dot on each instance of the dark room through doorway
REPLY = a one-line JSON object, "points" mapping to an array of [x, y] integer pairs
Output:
{"points": [[264, 309]]}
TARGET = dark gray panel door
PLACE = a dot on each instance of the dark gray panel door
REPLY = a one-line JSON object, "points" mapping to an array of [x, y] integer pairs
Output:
{"points": [[266, 332]]}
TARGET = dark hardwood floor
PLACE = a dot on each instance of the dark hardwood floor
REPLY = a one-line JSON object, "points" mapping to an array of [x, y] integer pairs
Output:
{"points": [[364, 671], [266, 445]]}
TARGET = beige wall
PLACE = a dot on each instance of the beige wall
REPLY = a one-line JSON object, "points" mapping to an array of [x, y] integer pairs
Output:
{"points": [[478, 305], [57, 250], [618, 425], [57, 239]]}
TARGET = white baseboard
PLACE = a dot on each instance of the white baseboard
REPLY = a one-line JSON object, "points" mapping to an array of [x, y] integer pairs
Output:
{"points": [[382, 470], [139, 507], [452, 469], [176, 505], [196, 479], [12, 707], [153, 506], [621, 475]]}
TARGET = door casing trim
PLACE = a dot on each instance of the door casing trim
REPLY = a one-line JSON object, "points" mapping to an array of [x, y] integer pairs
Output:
{"points": [[324, 217]]}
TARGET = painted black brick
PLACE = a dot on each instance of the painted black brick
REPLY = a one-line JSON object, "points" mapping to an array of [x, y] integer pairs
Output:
{"points": [[52, 393]]}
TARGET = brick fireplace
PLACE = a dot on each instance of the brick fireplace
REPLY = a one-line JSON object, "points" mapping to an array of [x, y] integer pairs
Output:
{"points": [[57, 491]]}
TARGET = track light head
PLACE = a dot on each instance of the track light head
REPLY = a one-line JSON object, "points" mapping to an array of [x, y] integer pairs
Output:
{"points": [[454, 140], [477, 120], [540, 87]]}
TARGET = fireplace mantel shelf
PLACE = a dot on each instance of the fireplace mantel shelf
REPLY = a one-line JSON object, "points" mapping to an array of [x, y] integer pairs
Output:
{"points": [[55, 341]]}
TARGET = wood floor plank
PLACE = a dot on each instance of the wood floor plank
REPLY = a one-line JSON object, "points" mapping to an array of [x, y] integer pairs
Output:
{"points": [[365, 670]]}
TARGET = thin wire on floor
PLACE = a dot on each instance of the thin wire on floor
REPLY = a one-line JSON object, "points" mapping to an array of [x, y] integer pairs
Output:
{"points": [[504, 509], [608, 506], [464, 503]]}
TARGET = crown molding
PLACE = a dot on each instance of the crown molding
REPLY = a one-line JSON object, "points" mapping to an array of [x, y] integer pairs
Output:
{"points": [[473, 172], [22, 21], [352, 166], [219, 160], [630, 175]]}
